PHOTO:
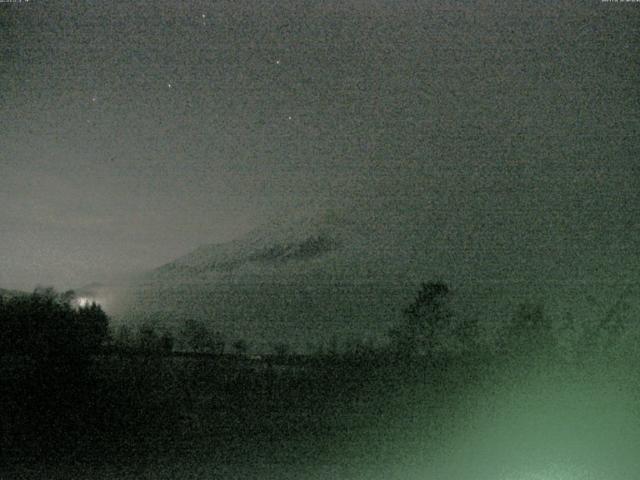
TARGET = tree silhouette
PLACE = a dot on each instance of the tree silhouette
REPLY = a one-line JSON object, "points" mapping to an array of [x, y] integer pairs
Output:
{"points": [[426, 327], [167, 341], [92, 327], [148, 339], [46, 324], [529, 333], [199, 338], [282, 349], [124, 338], [50, 344], [240, 346]]}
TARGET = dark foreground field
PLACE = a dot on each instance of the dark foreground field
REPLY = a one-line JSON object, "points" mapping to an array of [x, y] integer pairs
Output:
{"points": [[154, 416]]}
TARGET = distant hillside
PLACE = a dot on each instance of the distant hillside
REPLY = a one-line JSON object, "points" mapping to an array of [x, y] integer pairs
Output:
{"points": [[311, 280], [304, 281]]}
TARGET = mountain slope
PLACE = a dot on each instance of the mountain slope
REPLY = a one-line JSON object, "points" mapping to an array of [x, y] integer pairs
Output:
{"points": [[302, 281], [309, 279]]}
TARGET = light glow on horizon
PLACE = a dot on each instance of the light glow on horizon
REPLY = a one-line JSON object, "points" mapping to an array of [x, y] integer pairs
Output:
{"points": [[85, 301]]}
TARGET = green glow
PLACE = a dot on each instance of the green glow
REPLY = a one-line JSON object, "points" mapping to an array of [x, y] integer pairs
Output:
{"points": [[551, 474], [544, 422]]}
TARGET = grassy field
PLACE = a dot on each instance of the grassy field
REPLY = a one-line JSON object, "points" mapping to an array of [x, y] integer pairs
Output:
{"points": [[155, 416]]}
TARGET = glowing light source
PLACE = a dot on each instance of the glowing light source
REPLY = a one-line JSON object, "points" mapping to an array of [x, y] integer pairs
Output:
{"points": [[84, 301]]}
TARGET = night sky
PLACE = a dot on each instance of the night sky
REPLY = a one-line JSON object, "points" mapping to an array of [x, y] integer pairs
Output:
{"points": [[499, 138]]}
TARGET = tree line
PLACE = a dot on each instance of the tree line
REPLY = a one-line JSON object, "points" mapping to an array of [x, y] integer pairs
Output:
{"points": [[46, 323], [55, 386], [430, 328]]}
